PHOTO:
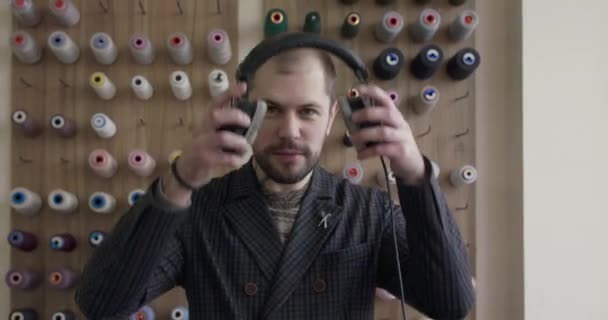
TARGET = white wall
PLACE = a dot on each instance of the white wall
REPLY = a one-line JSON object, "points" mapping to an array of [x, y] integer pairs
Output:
{"points": [[565, 114]]}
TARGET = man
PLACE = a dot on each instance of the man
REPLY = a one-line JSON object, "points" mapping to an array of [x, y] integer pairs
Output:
{"points": [[280, 238]]}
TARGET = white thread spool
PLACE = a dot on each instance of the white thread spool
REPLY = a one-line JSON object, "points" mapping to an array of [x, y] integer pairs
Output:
{"points": [[464, 175], [25, 201], [381, 179], [218, 83], [353, 172], [62, 201], [180, 85], [103, 163], [180, 48], [141, 163], [25, 47], [426, 100], [142, 49], [134, 195], [180, 313], [103, 48], [463, 26], [103, 86], [26, 12], [101, 202], [142, 87], [65, 12], [389, 27], [436, 170], [218, 46], [63, 47], [426, 25], [103, 125]]}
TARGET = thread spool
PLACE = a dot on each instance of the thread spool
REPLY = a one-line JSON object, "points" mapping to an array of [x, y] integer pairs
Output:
{"points": [[63, 47], [25, 201], [96, 238], [103, 163], [23, 314], [22, 240], [218, 46], [218, 83], [395, 97], [62, 201], [174, 155], [388, 64], [22, 279], [141, 49], [142, 87], [436, 170], [180, 313], [65, 12], [312, 22], [134, 195], [62, 278], [426, 25], [144, 313], [346, 140], [180, 48], [25, 48], [463, 64], [275, 22], [381, 179], [103, 126], [389, 27], [102, 85], [426, 62], [464, 175], [180, 85], [30, 127], [353, 172], [63, 242], [463, 26], [26, 12], [102, 203], [103, 48], [426, 100], [141, 163], [457, 2], [64, 127], [63, 315], [350, 26]]}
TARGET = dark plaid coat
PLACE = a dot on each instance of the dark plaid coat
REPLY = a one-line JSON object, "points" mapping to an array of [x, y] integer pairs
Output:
{"points": [[226, 252]]}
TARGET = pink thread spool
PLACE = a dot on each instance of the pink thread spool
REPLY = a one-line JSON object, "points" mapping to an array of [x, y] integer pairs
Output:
{"points": [[22, 279], [103, 163], [141, 163], [30, 127], [218, 46], [142, 49], [62, 278]]}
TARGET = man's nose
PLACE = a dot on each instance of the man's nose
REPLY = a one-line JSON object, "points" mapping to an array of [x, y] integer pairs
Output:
{"points": [[289, 128]]}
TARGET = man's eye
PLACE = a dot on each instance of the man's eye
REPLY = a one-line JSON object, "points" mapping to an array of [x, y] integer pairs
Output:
{"points": [[309, 112], [272, 110]]}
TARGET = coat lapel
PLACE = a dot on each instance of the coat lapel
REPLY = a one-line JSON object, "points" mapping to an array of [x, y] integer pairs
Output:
{"points": [[316, 219]]}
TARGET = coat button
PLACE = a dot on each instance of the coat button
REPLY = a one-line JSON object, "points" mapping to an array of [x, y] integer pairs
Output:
{"points": [[319, 285], [251, 289]]}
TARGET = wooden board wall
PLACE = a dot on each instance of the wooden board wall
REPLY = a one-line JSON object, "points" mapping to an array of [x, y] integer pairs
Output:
{"points": [[454, 113], [48, 161]]}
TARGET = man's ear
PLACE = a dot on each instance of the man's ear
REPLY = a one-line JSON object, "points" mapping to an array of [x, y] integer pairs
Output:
{"points": [[333, 110]]}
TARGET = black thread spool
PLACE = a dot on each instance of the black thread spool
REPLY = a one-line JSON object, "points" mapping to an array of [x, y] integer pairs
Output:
{"points": [[22, 240], [350, 26], [357, 102], [463, 64], [312, 22], [426, 63], [63, 242], [64, 315], [23, 314], [388, 64]]}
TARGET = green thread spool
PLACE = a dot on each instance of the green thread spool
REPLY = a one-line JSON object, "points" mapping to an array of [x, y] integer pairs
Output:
{"points": [[457, 2], [350, 27], [275, 23], [312, 22]]}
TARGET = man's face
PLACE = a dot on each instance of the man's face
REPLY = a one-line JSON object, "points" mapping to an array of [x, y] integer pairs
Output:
{"points": [[299, 117]]}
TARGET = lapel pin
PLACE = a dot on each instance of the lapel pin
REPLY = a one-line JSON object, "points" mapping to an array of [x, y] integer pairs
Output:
{"points": [[324, 220]]}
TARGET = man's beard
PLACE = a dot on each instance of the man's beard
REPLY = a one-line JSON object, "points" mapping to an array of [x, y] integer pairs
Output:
{"points": [[275, 173]]}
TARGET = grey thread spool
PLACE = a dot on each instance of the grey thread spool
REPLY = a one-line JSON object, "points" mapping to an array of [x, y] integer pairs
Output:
{"points": [[426, 62], [65, 127], [25, 47], [463, 64], [463, 26], [103, 48], [426, 100], [350, 26], [218, 47], [65, 12], [180, 48], [426, 25], [30, 127], [142, 87], [464, 175], [141, 49], [26, 12], [63, 47], [23, 314], [389, 27]]}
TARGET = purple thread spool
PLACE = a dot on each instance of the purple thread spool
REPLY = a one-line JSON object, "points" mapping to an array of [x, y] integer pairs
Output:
{"points": [[22, 279], [22, 240], [63, 242], [62, 278]]}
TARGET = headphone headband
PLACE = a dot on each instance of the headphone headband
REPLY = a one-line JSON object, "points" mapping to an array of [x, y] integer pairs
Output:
{"points": [[286, 41]]}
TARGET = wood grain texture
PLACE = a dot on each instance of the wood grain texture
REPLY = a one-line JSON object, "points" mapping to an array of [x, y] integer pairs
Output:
{"points": [[62, 163], [451, 115]]}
